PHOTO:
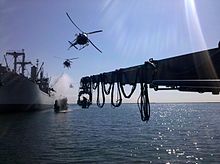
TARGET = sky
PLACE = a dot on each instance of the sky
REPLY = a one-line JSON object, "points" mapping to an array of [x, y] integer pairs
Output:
{"points": [[133, 32]]}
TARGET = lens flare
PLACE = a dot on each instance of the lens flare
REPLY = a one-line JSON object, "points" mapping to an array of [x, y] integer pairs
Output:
{"points": [[197, 37], [193, 23]]}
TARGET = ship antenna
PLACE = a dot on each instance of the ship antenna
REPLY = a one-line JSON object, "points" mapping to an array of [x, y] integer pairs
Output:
{"points": [[37, 63]]}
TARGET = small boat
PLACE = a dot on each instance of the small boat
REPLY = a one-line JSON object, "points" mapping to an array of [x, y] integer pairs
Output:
{"points": [[60, 105]]}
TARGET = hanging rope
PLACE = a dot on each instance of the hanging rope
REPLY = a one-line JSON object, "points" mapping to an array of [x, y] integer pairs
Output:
{"points": [[99, 104], [94, 86], [116, 77], [133, 85], [118, 101], [130, 94], [106, 90], [143, 102]]}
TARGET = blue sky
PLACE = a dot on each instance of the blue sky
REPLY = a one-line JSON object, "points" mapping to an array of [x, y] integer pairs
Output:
{"points": [[133, 32]]}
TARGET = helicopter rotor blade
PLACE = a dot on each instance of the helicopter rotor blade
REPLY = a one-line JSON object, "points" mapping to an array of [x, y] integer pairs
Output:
{"points": [[66, 59], [95, 46], [73, 58], [73, 22], [94, 32]]}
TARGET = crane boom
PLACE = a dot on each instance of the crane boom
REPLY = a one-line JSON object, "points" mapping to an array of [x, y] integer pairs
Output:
{"points": [[194, 72]]}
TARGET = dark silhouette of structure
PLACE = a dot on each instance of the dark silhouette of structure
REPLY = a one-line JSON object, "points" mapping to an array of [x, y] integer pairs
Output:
{"points": [[194, 72]]}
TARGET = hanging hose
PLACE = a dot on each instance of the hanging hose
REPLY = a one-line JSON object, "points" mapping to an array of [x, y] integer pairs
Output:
{"points": [[130, 94], [107, 91], [116, 77], [100, 105], [143, 102], [94, 86], [119, 97], [103, 80], [105, 83], [133, 85]]}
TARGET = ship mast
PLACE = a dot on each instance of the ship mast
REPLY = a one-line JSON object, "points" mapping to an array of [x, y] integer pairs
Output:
{"points": [[15, 56]]}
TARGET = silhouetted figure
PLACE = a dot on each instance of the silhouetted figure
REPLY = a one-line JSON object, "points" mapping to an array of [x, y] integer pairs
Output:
{"points": [[219, 44]]}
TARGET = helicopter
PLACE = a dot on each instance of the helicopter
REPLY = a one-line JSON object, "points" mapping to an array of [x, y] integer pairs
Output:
{"points": [[67, 62], [82, 38]]}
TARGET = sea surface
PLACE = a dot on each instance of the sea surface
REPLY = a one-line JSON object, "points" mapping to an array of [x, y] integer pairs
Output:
{"points": [[175, 133]]}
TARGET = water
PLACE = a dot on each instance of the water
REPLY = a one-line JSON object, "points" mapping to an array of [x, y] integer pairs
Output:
{"points": [[176, 133]]}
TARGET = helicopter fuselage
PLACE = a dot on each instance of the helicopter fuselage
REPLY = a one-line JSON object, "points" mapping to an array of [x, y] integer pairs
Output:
{"points": [[66, 64], [82, 39]]}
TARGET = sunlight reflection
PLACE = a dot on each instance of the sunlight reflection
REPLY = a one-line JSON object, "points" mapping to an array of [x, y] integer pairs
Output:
{"points": [[193, 23], [141, 26], [126, 27], [197, 37]]}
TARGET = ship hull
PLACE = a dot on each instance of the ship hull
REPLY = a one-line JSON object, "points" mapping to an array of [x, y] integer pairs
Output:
{"points": [[19, 94], [9, 108]]}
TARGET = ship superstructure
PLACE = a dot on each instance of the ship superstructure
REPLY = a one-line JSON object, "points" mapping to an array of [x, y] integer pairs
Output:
{"points": [[20, 91]]}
